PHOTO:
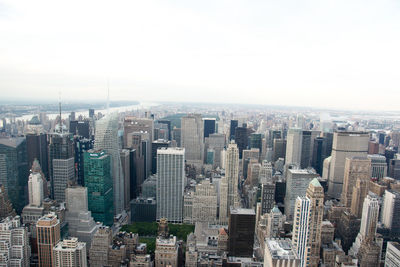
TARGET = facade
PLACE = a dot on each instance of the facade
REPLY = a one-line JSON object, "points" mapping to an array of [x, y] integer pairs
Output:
{"points": [[293, 146], [280, 253], [81, 145], [14, 243], [392, 258], [6, 208], [355, 168], [143, 209], [216, 142], [79, 218], [80, 128], [35, 189], [98, 252], [170, 183], [155, 146], [63, 174], [320, 153], [391, 211], [315, 193], [279, 149], [106, 138], [345, 145], [241, 232], [297, 181], [209, 126], [234, 124], [99, 186], [232, 174], [192, 138], [48, 235], [166, 253], [267, 197], [223, 201], [126, 170], [241, 138], [205, 202], [301, 230], [36, 148], [378, 166], [70, 253], [14, 170]]}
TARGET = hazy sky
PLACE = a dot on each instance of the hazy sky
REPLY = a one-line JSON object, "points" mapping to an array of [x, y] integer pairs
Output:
{"points": [[323, 53]]}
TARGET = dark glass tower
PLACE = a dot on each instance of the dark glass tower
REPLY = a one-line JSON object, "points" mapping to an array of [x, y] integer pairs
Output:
{"points": [[81, 145], [232, 129], [156, 145], [36, 145], [209, 127]]}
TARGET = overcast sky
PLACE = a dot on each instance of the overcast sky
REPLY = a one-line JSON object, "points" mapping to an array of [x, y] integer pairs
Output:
{"points": [[323, 53]]}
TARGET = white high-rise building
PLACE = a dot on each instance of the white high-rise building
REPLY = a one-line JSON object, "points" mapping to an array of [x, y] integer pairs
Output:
{"points": [[170, 183], [369, 222], [14, 243], [192, 138], [35, 189], [301, 229], [391, 211], [106, 138], [70, 253], [345, 145], [392, 254], [232, 175], [63, 173]]}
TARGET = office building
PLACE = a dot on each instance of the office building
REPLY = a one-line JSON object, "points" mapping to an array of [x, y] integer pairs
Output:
{"points": [[232, 129], [209, 126], [98, 252], [78, 216], [280, 253], [345, 145], [279, 149], [61, 146], [70, 253], [168, 123], [14, 170], [193, 139], [216, 142], [232, 174], [6, 208], [48, 235], [204, 202], [80, 128], [297, 181], [14, 243], [378, 166], [355, 168], [106, 138], [242, 138], [392, 258], [35, 189], [301, 230], [144, 209], [223, 201], [157, 144], [267, 197], [36, 148], [63, 175], [315, 193], [320, 153], [81, 146], [294, 146], [394, 168], [99, 186], [241, 232], [177, 136], [126, 170], [166, 253], [391, 212], [255, 141], [170, 183]]}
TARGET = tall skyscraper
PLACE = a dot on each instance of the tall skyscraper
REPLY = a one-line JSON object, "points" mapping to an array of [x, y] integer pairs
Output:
{"points": [[170, 183], [80, 128], [320, 153], [192, 138], [234, 124], [279, 149], [209, 126], [216, 142], [242, 138], [241, 232], [391, 212], [293, 146], [81, 146], [63, 174], [126, 170], [297, 181], [61, 147], [232, 174], [106, 138], [14, 243], [315, 193], [392, 258], [14, 170], [155, 146], [36, 148], [99, 186], [223, 201], [355, 168], [48, 235], [35, 189], [267, 197], [345, 145], [301, 233]]}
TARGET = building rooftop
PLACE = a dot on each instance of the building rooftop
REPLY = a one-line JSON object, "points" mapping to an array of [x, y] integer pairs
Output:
{"points": [[280, 248], [12, 141], [315, 182], [242, 211]]}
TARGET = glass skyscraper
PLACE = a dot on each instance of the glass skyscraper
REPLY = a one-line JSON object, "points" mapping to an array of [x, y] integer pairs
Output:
{"points": [[99, 183]]}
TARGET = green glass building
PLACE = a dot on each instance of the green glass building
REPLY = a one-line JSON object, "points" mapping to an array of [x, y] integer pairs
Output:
{"points": [[98, 180]]}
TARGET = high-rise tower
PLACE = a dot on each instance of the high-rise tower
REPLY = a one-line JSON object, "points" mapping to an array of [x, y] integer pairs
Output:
{"points": [[192, 138], [48, 235], [232, 174]]}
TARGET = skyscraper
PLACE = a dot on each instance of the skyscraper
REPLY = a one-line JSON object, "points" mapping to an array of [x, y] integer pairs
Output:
{"points": [[232, 174], [378, 166], [320, 153], [392, 254], [98, 253], [234, 124], [205, 202], [315, 193], [242, 138], [192, 138], [241, 232], [355, 168], [70, 253], [345, 144], [99, 186], [106, 138], [301, 233], [170, 183], [14, 170], [391, 212], [6, 208], [36, 148], [63, 174], [155, 146], [209, 126], [293, 147], [48, 235], [35, 188]]}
